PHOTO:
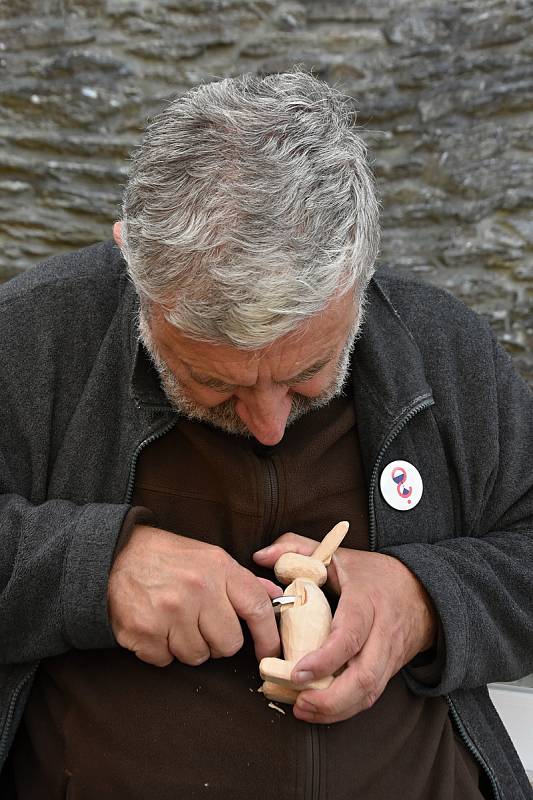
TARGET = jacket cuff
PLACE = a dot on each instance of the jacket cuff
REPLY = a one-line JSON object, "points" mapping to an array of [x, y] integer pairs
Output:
{"points": [[427, 667], [447, 669], [138, 515], [86, 574]]}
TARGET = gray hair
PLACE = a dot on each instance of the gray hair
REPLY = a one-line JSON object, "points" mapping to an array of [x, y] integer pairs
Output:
{"points": [[249, 206]]}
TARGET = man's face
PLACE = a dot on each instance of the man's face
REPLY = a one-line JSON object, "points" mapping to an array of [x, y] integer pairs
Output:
{"points": [[255, 392]]}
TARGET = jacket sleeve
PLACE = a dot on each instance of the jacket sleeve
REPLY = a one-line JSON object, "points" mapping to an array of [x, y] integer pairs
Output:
{"points": [[55, 561], [481, 581], [54, 565], [56, 550]]}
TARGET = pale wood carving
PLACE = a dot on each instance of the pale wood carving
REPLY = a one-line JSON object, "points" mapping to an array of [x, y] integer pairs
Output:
{"points": [[305, 625]]}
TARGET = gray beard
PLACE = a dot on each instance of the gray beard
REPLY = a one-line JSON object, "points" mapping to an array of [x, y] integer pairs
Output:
{"points": [[224, 416]]}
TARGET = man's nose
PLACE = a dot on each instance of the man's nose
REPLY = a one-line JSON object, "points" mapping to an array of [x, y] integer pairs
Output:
{"points": [[265, 412]]}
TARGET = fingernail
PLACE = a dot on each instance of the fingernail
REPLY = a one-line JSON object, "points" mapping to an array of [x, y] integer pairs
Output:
{"points": [[302, 676], [303, 705], [263, 551]]}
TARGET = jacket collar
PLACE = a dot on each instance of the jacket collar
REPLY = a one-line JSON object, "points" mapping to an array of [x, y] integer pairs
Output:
{"points": [[387, 369], [389, 380], [145, 386]]}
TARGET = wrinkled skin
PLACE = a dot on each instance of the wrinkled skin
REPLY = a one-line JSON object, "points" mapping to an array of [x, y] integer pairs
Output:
{"points": [[174, 597]]}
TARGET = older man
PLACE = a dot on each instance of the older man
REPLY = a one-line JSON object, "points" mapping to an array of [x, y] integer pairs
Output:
{"points": [[249, 378]]}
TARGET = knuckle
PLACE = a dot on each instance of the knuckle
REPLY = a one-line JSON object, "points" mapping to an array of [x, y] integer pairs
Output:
{"points": [[367, 680], [138, 626], [234, 570], [194, 658], [353, 642], [196, 582], [234, 646], [228, 649], [221, 556], [125, 640], [328, 707], [368, 700], [218, 552], [260, 607], [158, 658], [169, 602], [369, 685]]}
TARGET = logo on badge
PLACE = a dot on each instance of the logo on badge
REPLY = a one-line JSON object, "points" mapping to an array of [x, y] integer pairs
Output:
{"points": [[401, 485]]}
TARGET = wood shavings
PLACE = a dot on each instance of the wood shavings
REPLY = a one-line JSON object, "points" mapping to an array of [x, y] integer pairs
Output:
{"points": [[276, 708]]}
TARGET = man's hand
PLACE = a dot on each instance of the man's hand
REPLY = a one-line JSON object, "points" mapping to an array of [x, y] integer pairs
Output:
{"points": [[170, 596], [383, 619]]}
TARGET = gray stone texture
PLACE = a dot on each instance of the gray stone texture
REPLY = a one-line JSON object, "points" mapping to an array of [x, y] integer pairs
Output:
{"points": [[445, 97]]}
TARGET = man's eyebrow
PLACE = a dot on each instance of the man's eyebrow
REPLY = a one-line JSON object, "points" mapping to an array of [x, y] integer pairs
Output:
{"points": [[212, 383], [217, 383], [307, 373]]}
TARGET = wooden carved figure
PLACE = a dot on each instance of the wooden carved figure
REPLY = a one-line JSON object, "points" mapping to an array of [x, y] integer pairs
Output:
{"points": [[305, 623]]}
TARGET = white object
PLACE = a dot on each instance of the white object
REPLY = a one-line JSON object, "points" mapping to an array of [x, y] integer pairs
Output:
{"points": [[401, 485], [514, 704]]}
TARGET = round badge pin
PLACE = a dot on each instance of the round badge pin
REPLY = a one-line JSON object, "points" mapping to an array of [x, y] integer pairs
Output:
{"points": [[401, 485]]}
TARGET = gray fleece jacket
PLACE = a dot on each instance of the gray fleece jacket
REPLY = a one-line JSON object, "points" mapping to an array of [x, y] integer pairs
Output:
{"points": [[431, 386]]}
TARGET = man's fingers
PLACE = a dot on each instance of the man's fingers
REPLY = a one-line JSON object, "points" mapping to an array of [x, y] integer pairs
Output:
{"points": [[332, 656], [139, 632], [221, 631], [350, 630], [157, 656], [152, 649], [356, 689], [253, 604], [349, 694], [261, 621], [186, 642], [191, 649]]}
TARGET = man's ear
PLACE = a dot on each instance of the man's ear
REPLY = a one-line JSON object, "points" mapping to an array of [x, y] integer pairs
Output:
{"points": [[117, 233]]}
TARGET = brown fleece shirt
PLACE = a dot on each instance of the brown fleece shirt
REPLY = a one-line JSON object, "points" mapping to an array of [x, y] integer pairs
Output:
{"points": [[105, 725]]}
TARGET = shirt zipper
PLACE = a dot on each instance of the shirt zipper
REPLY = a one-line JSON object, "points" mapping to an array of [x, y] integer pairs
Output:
{"points": [[313, 746], [312, 732], [271, 485], [422, 405]]}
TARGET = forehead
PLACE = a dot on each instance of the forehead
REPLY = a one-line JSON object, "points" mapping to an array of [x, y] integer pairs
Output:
{"points": [[318, 337]]}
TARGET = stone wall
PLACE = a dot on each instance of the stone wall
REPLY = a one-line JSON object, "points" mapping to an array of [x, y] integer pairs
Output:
{"points": [[445, 92]]}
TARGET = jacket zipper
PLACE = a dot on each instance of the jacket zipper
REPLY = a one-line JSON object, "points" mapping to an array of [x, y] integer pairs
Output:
{"points": [[135, 457], [454, 714], [400, 425], [11, 710], [472, 748]]}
